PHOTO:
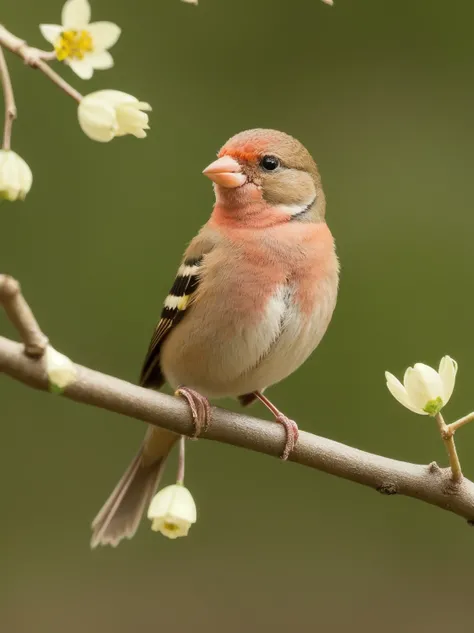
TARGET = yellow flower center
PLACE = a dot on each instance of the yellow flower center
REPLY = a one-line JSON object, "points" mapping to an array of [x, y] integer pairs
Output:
{"points": [[73, 45], [172, 527]]}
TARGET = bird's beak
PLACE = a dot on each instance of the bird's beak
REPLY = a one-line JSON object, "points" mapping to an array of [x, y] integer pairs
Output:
{"points": [[227, 172]]}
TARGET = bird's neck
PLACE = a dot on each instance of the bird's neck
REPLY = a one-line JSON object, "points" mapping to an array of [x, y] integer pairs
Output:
{"points": [[244, 207]]}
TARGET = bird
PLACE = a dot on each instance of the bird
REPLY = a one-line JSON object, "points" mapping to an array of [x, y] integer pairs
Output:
{"points": [[252, 298]]}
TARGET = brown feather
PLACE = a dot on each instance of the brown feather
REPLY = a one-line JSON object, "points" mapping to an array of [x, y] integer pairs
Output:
{"points": [[152, 375]]}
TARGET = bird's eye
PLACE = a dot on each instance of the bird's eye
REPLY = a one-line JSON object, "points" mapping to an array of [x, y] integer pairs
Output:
{"points": [[269, 163]]}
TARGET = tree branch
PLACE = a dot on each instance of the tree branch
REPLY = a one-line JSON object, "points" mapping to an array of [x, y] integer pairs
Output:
{"points": [[428, 483]]}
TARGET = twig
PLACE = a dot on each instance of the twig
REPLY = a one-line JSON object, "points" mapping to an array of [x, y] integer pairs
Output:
{"points": [[181, 460], [57, 79], [35, 58], [20, 314], [454, 426], [448, 440], [431, 484], [9, 98]]}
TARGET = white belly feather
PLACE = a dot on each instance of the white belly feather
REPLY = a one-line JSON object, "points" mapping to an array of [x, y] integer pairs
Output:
{"points": [[298, 337]]}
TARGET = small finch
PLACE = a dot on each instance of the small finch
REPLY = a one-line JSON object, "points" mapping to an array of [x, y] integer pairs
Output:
{"points": [[252, 299]]}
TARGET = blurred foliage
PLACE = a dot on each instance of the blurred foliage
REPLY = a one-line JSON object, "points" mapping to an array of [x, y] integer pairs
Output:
{"points": [[382, 94]]}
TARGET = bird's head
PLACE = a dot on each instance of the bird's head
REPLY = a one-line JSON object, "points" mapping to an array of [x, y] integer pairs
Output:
{"points": [[260, 169]]}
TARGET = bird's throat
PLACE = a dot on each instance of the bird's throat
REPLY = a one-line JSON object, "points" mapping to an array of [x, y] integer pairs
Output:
{"points": [[244, 207]]}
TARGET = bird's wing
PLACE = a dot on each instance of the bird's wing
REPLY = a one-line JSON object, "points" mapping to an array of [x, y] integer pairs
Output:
{"points": [[176, 305]]}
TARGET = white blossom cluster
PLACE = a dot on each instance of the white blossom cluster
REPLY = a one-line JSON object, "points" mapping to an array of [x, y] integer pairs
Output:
{"points": [[84, 47]]}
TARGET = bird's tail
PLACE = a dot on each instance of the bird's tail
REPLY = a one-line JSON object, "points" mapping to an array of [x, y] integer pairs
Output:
{"points": [[120, 515]]}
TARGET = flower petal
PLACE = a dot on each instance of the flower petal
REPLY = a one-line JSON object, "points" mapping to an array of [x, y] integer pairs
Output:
{"points": [[97, 119], [76, 14], [115, 97], [173, 503], [143, 105], [415, 388], [26, 178], [183, 507], [399, 392], [50, 32], [448, 368], [422, 384], [432, 381], [81, 67], [104, 34], [10, 179], [100, 61], [132, 120]]}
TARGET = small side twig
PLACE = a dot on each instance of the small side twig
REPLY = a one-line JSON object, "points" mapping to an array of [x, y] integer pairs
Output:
{"points": [[447, 435], [454, 426], [57, 79], [20, 314], [9, 98]]}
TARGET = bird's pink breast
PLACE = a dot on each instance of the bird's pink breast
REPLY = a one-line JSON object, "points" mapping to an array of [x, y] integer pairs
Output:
{"points": [[296, 253], [263, 304]]}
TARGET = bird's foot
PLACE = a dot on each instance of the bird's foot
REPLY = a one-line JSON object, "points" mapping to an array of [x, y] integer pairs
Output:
{"points": [[291, 427], [200, 409], [292, 434]]}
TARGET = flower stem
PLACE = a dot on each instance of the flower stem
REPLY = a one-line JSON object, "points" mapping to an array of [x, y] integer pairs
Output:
{"points": [[181, 464], [448, 440], [58, 80], [9, 97], [454, 426], [36, 58]]}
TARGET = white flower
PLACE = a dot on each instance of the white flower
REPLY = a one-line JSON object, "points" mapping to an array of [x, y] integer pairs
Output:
{"points": [[60, 369], [424, 390], [109, 113], [80, 44], [15, 176], [172, 511], [191, 1]]}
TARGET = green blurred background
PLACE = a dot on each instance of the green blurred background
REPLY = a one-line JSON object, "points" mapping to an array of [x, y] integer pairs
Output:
{"points": [[382, 95]]}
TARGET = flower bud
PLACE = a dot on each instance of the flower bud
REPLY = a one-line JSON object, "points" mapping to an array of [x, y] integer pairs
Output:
{"points": [[109, 113], [424, 390], [60, 369], [172, 511], [15, 176]]}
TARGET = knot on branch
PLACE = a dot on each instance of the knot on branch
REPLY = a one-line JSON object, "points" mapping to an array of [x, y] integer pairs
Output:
{"points": [[449, 485], [387, 488]]}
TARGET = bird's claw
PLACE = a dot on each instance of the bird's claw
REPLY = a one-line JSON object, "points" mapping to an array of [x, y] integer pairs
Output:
{"points": [[200, 409], [292, 434]]}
